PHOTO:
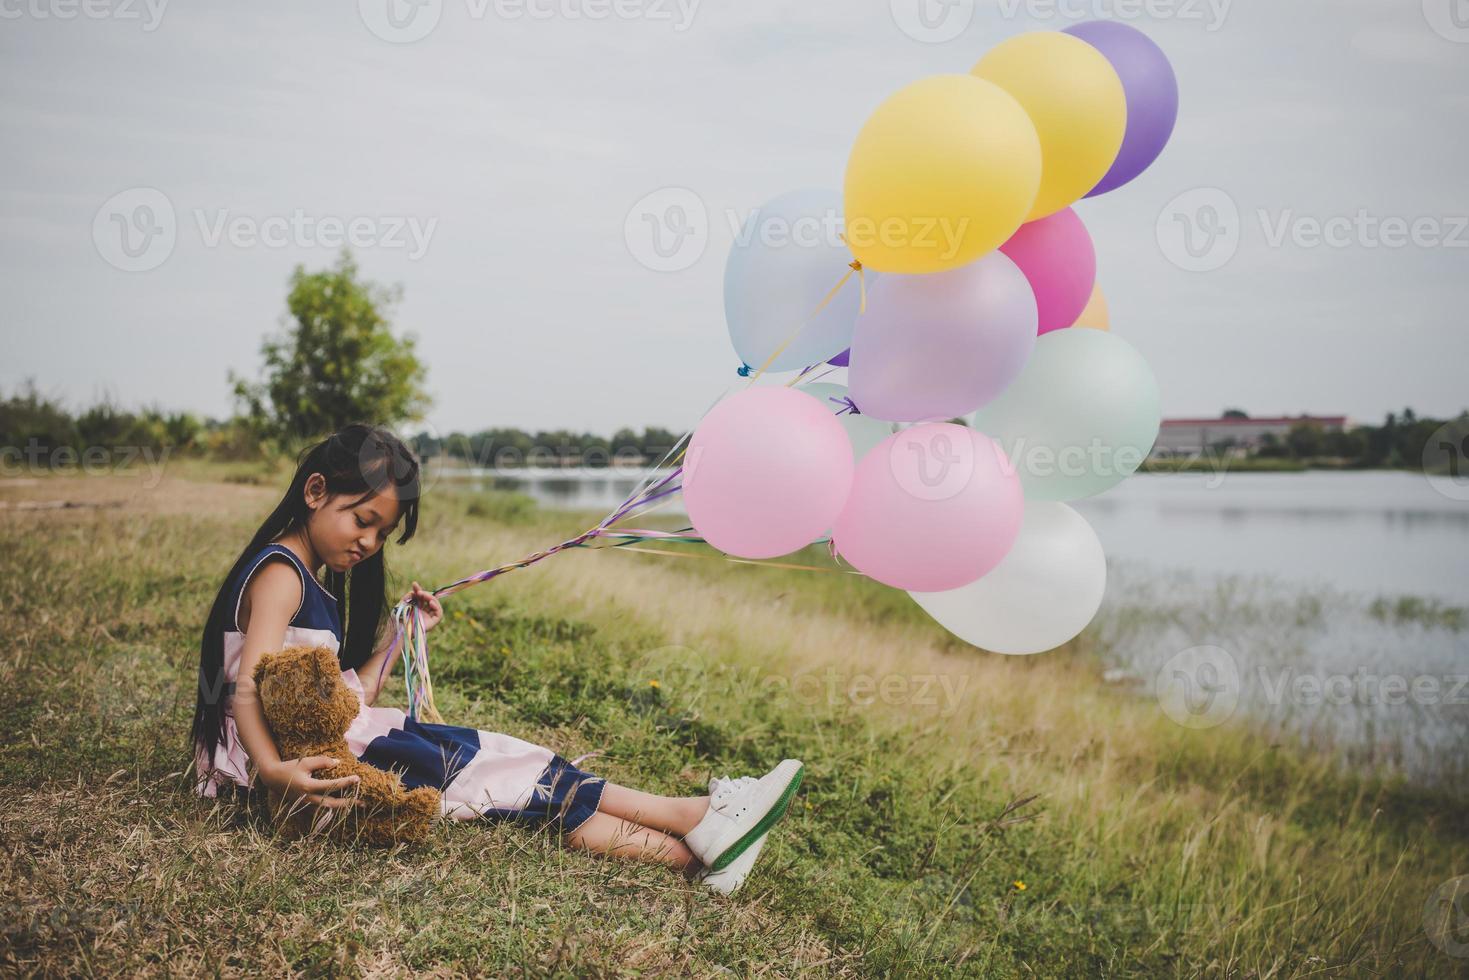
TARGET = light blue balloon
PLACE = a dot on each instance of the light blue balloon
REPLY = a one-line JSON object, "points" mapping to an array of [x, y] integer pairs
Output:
{"points": [[787, 257], [1081, 417]]}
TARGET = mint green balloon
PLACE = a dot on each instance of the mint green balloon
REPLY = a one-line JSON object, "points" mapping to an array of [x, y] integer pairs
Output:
{"points": [[864, 430], [1081, 417]]}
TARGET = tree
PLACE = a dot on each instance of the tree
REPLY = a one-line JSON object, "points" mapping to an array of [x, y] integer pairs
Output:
{"points": [[1304, 440], [1349, 444], [29, 418], [1447, 450], [1270, 447], [1234, 413], [1380, 442], [339, 362], [1413, 439], [657, 442]]}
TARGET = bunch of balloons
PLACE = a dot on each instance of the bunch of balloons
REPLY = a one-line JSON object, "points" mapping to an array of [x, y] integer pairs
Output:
{"points": [[978, 295]]}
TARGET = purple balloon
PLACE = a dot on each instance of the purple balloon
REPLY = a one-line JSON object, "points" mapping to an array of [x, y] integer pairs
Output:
{"points": [[939, 345], [841, 359], [1152, 96]]}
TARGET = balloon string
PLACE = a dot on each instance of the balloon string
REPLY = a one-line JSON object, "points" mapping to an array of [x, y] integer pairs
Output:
{"points": [[855, 266], [639, 534], [819, 376], [644, 511], [743, 561], [633, 500], [407, 618]]}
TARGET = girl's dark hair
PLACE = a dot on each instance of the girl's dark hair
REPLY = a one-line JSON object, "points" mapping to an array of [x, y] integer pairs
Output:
{"points": [[361, 460]]}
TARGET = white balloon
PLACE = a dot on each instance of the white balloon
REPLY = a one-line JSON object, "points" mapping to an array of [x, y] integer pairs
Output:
{"points": [[1044, 592]]}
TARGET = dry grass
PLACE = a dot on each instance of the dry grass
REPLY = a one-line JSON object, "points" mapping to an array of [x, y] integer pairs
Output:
{"points": [[1145, 848]]}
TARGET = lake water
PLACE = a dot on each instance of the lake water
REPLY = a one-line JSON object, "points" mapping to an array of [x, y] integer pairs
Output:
{"points": [[1261, 595], [1379, 533], [1376, 533]]}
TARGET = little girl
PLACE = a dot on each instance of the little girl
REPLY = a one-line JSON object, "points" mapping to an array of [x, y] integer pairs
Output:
{"points": [[349, 493]]}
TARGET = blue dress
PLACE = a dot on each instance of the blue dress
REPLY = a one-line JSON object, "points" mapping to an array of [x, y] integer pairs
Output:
{"points": [[480, 774]]}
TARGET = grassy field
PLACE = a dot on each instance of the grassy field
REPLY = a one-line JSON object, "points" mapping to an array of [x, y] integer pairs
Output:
{"points": [[962, 813]]}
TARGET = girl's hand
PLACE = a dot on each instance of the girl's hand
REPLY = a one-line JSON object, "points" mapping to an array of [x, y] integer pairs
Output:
{"points": [[293, 779], [430, 609]]}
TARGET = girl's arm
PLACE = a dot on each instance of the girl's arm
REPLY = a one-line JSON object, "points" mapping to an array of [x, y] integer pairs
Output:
{"points": [[271, 599], [368, 675]]}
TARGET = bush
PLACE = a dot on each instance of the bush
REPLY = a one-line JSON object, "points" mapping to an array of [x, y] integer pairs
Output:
{"points": [[28, 416]]}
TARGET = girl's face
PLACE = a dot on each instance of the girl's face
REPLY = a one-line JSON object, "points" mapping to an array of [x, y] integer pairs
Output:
{"points": [[344, 531]]}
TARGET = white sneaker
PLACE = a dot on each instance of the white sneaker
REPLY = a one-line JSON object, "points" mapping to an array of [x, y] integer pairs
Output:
{"points": [[740, 813], [729, 880]]}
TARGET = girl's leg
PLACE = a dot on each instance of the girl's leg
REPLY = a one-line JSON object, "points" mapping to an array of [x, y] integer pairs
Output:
{"points": [[675, 814], [603, 833]]}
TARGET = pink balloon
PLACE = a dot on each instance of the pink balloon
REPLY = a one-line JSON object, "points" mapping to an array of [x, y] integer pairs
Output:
{"points": [[931, 508], [1057, 256], [766, 472]]}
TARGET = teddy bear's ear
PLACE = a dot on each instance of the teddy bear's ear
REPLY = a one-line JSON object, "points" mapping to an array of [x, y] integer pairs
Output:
{"points": [[322, 664], [326, 660]]}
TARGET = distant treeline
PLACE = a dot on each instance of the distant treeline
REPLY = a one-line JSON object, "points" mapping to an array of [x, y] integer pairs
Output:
{"points": [[1403, 441], [37, 428], [505, 448], [41, 430]]}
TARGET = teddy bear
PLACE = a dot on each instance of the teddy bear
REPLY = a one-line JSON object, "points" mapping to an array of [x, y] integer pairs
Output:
{"points": [[309, 708]]}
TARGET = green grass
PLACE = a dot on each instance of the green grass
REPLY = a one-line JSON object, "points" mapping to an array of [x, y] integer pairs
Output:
{"points": [[1413, 609], [1145, 849], [1213, 462]]}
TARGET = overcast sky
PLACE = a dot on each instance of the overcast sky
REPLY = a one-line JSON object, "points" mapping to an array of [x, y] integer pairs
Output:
{"points": [[525, 140]]}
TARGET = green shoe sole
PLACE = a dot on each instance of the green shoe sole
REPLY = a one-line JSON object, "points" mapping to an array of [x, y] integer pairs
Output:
{"points": [[762, 827]]}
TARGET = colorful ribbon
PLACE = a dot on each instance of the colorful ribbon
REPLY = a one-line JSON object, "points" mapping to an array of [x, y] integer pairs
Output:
{"points": [[410, 639]]}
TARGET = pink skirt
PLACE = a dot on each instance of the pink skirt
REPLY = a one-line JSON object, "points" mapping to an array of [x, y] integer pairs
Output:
{"points": [[481, 775]]}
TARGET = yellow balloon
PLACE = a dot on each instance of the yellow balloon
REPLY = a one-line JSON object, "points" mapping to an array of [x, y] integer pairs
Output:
{"points": [[1095, 315], [945, 170], [1076, 102]]}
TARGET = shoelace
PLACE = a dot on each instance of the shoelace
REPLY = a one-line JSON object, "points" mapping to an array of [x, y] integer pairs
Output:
{"points": [[722, 786]]}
